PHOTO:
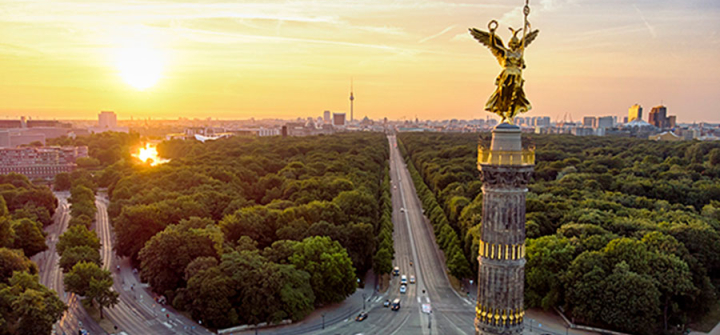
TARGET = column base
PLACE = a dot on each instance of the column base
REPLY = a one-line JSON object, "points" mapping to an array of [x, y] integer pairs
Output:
{"points": [[486, 329]]}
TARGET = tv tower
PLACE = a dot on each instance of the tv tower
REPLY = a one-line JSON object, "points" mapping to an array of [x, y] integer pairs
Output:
{"points": [[351, 100]]}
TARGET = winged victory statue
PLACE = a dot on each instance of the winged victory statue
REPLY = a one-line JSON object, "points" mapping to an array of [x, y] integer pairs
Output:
{"points": [[509, 99]]}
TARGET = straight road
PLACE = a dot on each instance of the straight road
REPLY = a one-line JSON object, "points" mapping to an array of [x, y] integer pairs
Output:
{"points": [[52, 276], [414, 244]]}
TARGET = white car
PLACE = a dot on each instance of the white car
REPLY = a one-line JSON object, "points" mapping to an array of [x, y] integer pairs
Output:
{"points": [[403, 288], [412, 279], [402, 209]]}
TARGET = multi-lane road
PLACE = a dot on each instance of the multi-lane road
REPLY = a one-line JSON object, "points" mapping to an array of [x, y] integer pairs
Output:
{"points": [[136, 313], [414, 244]]}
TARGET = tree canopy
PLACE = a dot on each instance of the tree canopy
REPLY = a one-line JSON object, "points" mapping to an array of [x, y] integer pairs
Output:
{"points": [[220, 228], [623, 233]]}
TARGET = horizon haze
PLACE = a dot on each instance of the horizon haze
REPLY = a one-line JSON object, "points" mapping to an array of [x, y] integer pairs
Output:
{"points": [[164, 59]]}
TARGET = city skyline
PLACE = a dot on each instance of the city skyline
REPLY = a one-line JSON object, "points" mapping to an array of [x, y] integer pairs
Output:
{"points": [[71, 59]]}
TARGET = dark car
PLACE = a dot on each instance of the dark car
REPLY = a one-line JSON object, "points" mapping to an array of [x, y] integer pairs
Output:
{"points": [[361, 316]]}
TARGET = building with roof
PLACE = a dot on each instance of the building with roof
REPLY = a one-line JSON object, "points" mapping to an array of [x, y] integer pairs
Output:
{"points": [[40, 162], [665, 136]]}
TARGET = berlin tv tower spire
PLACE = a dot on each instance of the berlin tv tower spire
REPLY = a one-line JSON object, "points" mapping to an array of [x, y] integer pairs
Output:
{"points": [[351, 99]]}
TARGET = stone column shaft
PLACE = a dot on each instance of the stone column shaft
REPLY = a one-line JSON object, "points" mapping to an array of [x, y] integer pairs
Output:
{"points": [[505, 170]]}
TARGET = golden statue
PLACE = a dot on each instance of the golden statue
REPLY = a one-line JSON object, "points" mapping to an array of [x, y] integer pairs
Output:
{"points": [[509, 99]]}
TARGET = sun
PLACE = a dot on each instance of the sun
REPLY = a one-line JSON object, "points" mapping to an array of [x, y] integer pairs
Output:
{"points": [[140, 67]]}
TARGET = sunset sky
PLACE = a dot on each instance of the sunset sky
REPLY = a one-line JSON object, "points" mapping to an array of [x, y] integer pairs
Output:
{"points": [[234, 60]]}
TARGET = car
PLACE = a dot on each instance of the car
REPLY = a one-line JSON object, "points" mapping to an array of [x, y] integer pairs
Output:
{"points": [[412, 279], [396, 271], [361, 316], [396, 304], [386, 303], [403, 288], [403, 280], [402, 209]]}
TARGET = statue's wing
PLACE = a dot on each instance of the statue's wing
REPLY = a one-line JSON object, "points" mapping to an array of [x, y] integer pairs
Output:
{"points": [[531, 37], [498, 48]]}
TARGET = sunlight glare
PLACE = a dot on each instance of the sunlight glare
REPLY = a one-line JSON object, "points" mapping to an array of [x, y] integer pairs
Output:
{"points": [[139, 66], [149, 152]]}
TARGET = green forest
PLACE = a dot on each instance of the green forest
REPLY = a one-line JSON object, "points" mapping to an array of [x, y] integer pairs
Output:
{"points": [[26, 306], [622, 233], [248, 230]]}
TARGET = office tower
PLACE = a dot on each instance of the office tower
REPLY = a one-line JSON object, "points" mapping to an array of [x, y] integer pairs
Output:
{"points": [[635, 112], [338, 119], [605, 122], [658, 117], [107, 120]]}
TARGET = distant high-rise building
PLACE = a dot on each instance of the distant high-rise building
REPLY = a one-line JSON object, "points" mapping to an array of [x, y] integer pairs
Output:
{"points": [[352, 99], [635, 112], [672, 121], [326, 117], [542, 121], [658, 117], [590, 121], [625, 119], [605, 122], [338, 119], [107, 120]]}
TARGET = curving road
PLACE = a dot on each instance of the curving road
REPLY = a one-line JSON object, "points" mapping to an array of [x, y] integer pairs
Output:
{"points": [[137, 312]]}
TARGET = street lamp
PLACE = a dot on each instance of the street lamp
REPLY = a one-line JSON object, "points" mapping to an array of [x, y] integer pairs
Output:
{"points": [[363, 301], [323, 317]]}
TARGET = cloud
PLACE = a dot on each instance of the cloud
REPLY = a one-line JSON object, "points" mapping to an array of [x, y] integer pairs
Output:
{"points": [[650, 28], [463, 37], [438, 34]]}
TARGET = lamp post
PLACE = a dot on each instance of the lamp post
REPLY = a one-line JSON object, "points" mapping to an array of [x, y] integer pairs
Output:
{"points": [[363, 295], [323, 318]]}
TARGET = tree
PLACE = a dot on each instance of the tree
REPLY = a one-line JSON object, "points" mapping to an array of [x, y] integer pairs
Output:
{"points": [[27, 306], [548, 258], [77, 254], [199, 264], [29, 237], [7, 233], [255, 222], [135, 226], [3, 207], [62, 182], [11, 261], [458, 265], [77, 236], [101, 292], [714, 157], [78, 279], [358, 206], [80, 220], [630, 301], [382, 261], [332, 274], [209, 292], [164, 258]]}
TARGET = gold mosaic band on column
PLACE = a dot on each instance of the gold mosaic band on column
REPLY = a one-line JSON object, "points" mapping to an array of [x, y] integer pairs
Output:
{"points": [[499, 317], [502, 251]]}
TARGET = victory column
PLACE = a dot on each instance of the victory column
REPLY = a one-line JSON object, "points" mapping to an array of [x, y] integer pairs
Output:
{"points": [[505, 170]]}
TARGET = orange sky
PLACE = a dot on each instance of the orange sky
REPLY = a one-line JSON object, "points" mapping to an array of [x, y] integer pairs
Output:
{"points": [[69, 58]]}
